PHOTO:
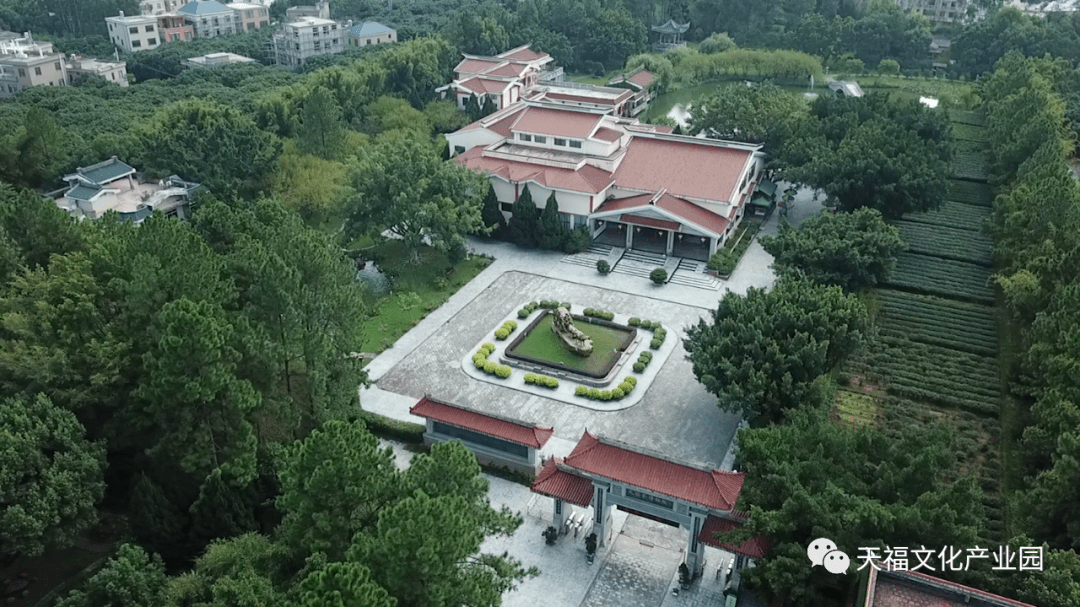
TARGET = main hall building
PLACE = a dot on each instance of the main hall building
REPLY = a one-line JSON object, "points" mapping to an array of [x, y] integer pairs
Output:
{"points": [[631, 184]]}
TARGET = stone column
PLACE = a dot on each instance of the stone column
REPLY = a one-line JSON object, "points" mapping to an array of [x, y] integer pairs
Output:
{"points": [[558, 515], [670, 242], [713, 246], [695, 550], [601, 516], [629, 236]]}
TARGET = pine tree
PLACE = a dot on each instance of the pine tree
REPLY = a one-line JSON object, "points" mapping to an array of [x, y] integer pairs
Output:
{"points": [[493, 216], [472, 107], [552, 233], [524, 220], [489, 107]]}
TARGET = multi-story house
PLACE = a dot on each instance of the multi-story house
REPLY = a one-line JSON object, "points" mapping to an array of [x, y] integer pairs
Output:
{"points": [[306, 38], [944, 12], [115, 186], [320, 10], [209, 18], [370, 32], [110, 71], [504, 78], [173, 28], [134, 33], [250, 16], [159, 7], [25, 63]]}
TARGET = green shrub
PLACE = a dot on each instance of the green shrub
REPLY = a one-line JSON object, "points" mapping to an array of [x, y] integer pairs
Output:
{"points": [[616, 394], [661, 335], [479, 362], [645, 355], [656, 325], [639, 367], [603, 266], [566, 305], [581, 391], [605, 395], [594, 393], [656, 343], [534, 304], [646, 324], [588, 311], [489, 367], [502, 371], [723, 261], [609, 316], [530, 378], [634, 321], [523, 313], [511, 324], [658, 276], [551, 382], [393, 429], [626, 387], [490, 347], [501, 334]]}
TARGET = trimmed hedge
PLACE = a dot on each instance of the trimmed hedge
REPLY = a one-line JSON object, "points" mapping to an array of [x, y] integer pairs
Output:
{"points": [[506, 329], [634, 321], [646, 324], [385, 427], [601, 314], [489, 367], [639, 367], [545, 381], [501, 371], [581, 391], [501, 334], [656, 343], [624, 388]]}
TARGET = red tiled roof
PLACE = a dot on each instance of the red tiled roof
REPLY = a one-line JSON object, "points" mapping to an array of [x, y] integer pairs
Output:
{"points": [[664, 129], [588, 178], [685, 168], [612, 101], [525, 54], [631, 202], [510, 69], [475, 66], [605, 134], [515, 432], [643, 78], [906, 589], [499, 125], [560, 484], [557, 123], [649, 221], [678, 207], [477, 84], [754, 548], [714, 489]]}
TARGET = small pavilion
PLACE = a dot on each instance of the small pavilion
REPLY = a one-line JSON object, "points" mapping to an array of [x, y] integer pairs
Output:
{"points": [[603, 474], [670, 35]]}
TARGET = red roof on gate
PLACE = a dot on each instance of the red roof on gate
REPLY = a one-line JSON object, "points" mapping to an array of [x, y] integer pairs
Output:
{"points": [[754, 548], [712, 488], [560, 484], [515, 432], [649, 221]]}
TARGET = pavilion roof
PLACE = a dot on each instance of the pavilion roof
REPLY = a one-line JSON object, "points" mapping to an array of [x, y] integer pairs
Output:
{"points": [[671, 27]]}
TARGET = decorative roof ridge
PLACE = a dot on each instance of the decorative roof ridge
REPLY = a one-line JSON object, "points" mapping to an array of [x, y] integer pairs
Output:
{"points": [[516, 422], [640, 451]]}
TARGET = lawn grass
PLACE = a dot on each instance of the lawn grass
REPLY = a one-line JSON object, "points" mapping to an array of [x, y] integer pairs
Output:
{"points": [[417, 291], [542, 344]]}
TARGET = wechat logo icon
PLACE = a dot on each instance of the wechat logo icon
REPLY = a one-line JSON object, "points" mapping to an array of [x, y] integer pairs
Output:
{"points": [[822, 551]]}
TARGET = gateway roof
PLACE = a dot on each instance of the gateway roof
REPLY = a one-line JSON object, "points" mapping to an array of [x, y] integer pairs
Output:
{"points": [[713, 489], [754, 548], [560, 484], [515, 432], [684, 168]]}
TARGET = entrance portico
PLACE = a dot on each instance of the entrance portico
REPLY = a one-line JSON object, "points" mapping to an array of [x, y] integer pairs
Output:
{"points": [[660, 223], [605, 475]]}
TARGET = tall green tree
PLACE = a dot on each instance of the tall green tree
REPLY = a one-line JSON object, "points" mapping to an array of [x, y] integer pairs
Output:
{"points": [[472, 107], [524, 222], [403, 186], [343, 585], [51, 477], [764, 113], [42, 148], [322, 130], [851, 250], [37, 226], [132, 578], [552, 233], [492, 215], [763, 351]]}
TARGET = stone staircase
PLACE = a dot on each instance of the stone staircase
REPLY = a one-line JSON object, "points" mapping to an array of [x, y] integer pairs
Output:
{"points": [[691, 273], [639, 263], [589, 256]]}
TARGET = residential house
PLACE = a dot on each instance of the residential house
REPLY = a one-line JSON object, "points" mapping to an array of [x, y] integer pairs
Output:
{"points": [[133, 33], [880, 587], [306, 38], [632, 185], [320, 10], [216, 59], [209, 18], [174, 28], [115, 186], [110, 71], [609, 100], [25, 63], [1042, 9], [643, 84], [944, 12], [370, 32], [250, 16], [503, 78], [160, 7]]}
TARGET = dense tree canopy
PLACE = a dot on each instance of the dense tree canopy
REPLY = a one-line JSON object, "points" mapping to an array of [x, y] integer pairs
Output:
{"points": [[851, 250], [892, 156], [764, 113], [763, 351]]}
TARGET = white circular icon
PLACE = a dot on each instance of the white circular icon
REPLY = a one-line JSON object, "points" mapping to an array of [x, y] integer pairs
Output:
{"points": [[818, 549], [837, 562]]}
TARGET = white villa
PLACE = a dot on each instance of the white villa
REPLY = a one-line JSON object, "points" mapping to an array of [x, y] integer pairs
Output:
{"points": [[632, 185], [115, 186]]}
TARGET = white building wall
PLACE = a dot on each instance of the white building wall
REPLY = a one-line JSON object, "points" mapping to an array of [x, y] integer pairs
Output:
{"points": [[470, 139], [133, 34]]}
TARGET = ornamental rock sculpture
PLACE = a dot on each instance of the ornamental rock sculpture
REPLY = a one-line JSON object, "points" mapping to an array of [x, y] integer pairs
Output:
{"points": [[573, 339]]}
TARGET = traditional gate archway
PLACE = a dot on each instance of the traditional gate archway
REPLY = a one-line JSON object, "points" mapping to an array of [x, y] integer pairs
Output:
{"points": [[604, 474]]}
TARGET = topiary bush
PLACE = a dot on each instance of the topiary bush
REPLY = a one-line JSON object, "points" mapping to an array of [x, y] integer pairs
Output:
{"points": [[479, 362], [617, 394], [501, 371], [489, 367], [523, 313], [639, 367], [656, 325], [510, 324], [566, 305], [490, 347], [658, 276], [588, 312], [631, 379], [551, 382], [656, 343], [501, 334], [530, 378], [603, 266], [626, 387], [646, 324], [634, 321], [594, 393], [645, 356], [581, 391], [605, 395], [609, 316]]}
